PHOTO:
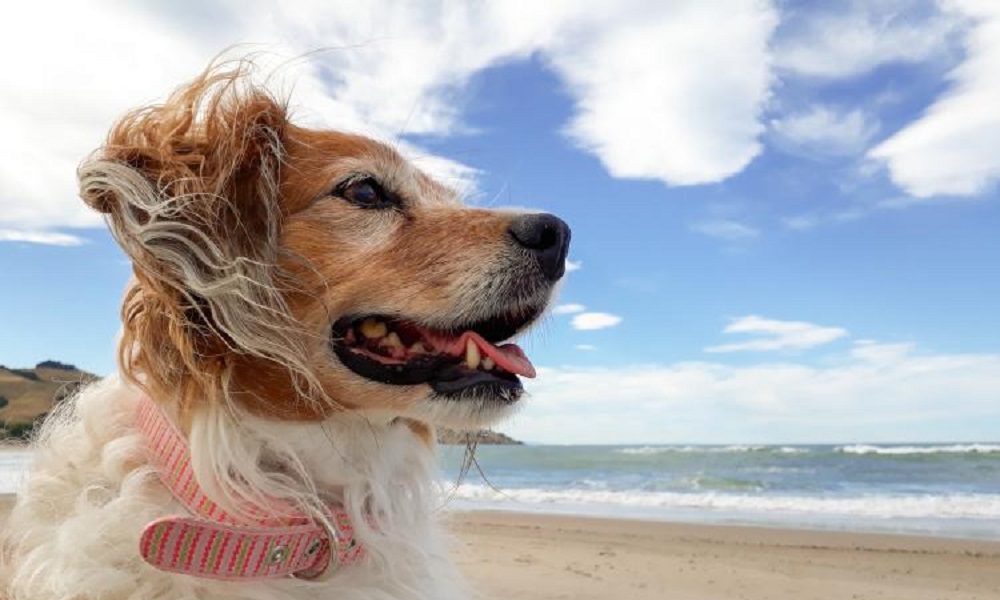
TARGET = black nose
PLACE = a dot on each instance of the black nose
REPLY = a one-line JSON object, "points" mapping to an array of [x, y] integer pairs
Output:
{"points": [[545, 236]]}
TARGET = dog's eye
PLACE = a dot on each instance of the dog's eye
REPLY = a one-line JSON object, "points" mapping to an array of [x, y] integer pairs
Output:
{"points": [[365, 193]]}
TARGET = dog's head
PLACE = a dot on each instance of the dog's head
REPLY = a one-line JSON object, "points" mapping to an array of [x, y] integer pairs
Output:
{"points": [[298, 272]]}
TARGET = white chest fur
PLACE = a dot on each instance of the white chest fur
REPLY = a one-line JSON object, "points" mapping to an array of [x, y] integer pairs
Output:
{"points": [[75, 528]]}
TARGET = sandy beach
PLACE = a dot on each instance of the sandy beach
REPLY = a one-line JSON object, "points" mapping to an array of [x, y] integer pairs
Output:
{"points": [[518, 556], [529, 557]]}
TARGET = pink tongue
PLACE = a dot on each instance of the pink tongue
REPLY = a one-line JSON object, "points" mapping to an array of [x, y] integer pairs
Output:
{"points": [[508, 357]]}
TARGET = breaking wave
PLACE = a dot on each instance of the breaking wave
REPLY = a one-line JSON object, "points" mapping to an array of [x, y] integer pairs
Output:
{"points": [[650, 450], [905, 450], [948, 506]]}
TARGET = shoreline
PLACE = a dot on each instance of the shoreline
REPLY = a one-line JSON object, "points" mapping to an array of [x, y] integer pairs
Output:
{"points": [[835, 528], [841, 526], [800, 537], [534, 556]]}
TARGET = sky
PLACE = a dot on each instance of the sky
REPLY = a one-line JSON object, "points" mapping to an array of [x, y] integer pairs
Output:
{"points": [[784, 214]]}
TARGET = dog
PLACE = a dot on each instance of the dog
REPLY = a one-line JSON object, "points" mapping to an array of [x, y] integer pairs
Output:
{"points": [[306, 307]]}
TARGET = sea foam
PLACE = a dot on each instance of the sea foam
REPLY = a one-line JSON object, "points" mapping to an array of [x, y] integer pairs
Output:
{"points": [[929, 449], [945, 506], [650, 450]]}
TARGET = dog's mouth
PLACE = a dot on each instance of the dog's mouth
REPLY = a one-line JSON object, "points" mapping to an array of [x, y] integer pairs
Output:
{"points": [[397, 351]]}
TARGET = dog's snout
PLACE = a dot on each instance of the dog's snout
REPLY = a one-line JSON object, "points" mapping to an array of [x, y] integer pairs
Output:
{"points": [[547, 237]]}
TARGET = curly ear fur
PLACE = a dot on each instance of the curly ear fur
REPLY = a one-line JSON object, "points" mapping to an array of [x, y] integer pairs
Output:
{"points": [[190, 189]]}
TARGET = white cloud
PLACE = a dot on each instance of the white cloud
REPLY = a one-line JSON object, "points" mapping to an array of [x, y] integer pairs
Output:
{"points": [[63, 88], [586, 347], [850, 39], [40, 237], [573, 266], [853, 212], [880, 354], [777, 335], [954, 147], [725, 229], [390, 68], [825, 131], [803, 222], [658, 97], [595, 320], [886, 395], [568, 309]]}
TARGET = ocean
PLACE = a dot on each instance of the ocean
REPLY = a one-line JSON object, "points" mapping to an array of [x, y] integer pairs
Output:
{"points": [[950, 490]]}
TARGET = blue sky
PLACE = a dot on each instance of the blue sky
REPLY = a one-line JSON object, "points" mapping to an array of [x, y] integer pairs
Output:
{"points": [[784, 214]]}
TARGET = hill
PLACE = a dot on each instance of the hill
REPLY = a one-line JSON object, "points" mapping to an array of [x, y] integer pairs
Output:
{"points": [[26, 395], [484, 436]]}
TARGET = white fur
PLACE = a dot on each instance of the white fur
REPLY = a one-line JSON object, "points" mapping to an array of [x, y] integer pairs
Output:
{"points": [[74, 530]]}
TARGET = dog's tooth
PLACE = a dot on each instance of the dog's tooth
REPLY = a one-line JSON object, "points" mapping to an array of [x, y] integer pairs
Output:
{"points": [[372, 328], [471, 354], [392, 340], [488, 364], [418, 348]]}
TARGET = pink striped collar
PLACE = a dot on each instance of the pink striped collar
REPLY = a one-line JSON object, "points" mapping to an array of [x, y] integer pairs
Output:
{"points": [[211, 543]]}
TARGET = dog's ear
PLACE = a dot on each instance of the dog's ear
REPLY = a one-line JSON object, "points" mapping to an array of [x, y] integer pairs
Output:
{"points": [[210, 156], [191, 191]]}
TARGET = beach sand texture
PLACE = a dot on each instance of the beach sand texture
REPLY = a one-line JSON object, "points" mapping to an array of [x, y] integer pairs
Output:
{"points": [[518, 556], [527, 556]]}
